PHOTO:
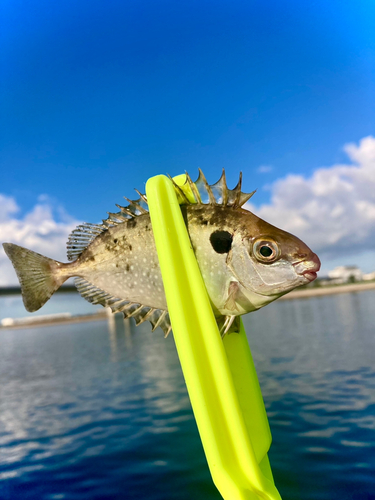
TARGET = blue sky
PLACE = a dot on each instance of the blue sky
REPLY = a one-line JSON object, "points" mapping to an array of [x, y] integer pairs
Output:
{"points": [[96, 97]]}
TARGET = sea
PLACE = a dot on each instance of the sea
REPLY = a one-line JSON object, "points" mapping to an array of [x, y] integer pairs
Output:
{"points": [[99, 410]]}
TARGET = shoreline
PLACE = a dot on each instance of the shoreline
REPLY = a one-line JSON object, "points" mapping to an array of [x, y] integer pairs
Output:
{"points": [[66, 318], [53, 319], [328, 290]]}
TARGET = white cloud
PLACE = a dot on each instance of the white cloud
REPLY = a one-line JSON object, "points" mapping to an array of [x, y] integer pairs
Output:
{"points": [[8, 206], [265, 169], [333, 211], [44, 229]]}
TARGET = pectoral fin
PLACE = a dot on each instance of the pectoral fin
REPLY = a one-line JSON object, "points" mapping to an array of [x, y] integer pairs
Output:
{"points": [[232, 294]]}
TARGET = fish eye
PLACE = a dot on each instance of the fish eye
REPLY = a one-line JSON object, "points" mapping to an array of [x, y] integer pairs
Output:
{"points": [[266, 250]]}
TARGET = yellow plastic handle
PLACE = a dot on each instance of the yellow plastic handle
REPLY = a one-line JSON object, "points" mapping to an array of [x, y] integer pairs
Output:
{"points": [[220, 375]]}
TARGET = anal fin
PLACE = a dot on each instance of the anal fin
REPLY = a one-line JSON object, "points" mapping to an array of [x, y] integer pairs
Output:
{"points": [[140, 312]]}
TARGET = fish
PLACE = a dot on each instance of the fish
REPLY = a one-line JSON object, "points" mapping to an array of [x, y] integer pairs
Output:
{"points": [[246, 263]]}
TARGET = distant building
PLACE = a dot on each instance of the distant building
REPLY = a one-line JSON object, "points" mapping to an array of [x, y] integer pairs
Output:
{"points": [[369, 276], [343, 274]]}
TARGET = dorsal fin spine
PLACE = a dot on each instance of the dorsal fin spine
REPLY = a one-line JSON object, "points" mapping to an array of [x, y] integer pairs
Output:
{"points": [[237, 192], [126, 211], [208, 188], [194, 189], [180, 192], [136, 204], [142, 196]]}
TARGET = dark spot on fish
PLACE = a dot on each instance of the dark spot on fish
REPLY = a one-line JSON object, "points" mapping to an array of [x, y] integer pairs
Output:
{"points": [[130, 248], [221, 241], [132, 222], [202, 220], [89, 255], [115, 240], [116, 264], [127, 267]]}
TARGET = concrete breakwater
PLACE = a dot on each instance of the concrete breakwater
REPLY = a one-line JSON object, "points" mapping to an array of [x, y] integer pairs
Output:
{"points": [[52, 319]]}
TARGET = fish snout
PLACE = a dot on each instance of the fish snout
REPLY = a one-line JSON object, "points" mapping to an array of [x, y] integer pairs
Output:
{"points": [[313, 267], [309, 267]]}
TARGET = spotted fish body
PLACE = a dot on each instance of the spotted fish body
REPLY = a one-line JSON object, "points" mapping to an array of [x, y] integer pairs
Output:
{"points": [[245, 262]]}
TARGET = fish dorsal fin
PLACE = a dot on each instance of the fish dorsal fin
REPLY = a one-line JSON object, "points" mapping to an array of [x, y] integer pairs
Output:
{"points": [[81, 237], [200, 192], [134, 209], [140, 313], [85, 233]]}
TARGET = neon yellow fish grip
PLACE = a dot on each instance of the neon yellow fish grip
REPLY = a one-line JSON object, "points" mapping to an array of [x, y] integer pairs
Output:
{"points": [[220, 375]]}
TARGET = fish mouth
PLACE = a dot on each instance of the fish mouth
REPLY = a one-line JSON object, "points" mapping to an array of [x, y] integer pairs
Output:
{"points": [[312, 265], [310, 275]]}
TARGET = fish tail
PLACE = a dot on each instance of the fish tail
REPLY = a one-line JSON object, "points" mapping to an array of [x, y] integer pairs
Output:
{"points": [[39, 276]]}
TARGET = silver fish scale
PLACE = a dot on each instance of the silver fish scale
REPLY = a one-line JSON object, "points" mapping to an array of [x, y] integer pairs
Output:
{"points": [[123, 262]]}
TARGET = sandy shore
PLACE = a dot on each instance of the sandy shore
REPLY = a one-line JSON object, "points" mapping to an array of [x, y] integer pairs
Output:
{"points": [[329, 290]]}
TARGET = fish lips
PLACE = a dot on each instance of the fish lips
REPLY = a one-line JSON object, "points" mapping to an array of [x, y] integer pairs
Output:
{"points": [[310, 275], [309, 267]]}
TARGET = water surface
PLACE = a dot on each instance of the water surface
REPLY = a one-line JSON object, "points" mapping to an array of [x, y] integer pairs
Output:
{"points": [[99, 411]]}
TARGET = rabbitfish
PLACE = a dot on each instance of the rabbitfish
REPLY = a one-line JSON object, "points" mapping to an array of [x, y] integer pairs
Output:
{"points": [[245, 262]]}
